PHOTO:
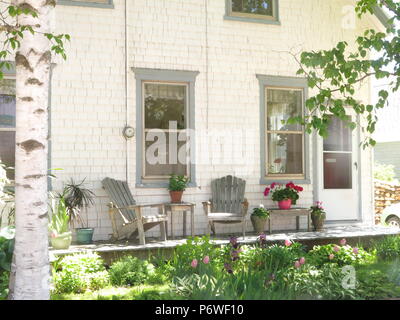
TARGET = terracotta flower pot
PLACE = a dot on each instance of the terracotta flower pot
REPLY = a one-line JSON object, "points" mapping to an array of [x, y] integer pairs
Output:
{"points": [[176, 196], [285, 204], [258, 224]]}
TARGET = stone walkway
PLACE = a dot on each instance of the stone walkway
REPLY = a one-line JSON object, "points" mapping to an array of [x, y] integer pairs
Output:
{"points": [[334, 233]]}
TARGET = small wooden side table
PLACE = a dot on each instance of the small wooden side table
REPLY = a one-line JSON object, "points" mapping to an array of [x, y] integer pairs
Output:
{"points": [[184, 207], [293, 212]]}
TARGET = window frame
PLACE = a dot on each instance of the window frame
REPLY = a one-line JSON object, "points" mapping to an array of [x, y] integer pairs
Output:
{"points": [[163, 76], [108, 5], [9, 75], [289, 83], [187, 116], [252, 17]]}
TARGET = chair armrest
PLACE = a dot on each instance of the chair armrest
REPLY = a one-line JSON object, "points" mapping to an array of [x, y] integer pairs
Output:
{"points": [[133, 207], [207, 207], [245, 207]]}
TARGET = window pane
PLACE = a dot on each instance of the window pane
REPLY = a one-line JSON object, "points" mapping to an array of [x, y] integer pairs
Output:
{"points": [[281, 105], [164, 103], [285, 154], [339, 138], [159, 160], [337, 171], [7, 151], [263, 7], [7, 103]]}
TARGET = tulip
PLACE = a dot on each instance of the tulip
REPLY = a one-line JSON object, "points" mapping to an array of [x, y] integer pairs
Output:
{"points": [[302, 260], [288, 243], [343, 242], [206, 260], [297, 264], [331, 256], [355, 250], [194, 263], [336, 249]]}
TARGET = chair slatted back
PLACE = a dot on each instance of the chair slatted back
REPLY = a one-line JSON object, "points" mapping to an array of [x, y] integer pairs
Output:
{"points": [[120, 195], [227, 194]]}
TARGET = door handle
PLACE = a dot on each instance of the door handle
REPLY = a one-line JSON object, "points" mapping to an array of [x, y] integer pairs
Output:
{"points": [[356, 165]]}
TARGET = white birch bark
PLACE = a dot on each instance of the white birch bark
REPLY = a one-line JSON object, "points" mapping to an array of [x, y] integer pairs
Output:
{"points": [[30, 268]]}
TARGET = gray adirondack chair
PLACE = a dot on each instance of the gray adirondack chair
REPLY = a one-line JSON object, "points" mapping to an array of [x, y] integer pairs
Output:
{"points": [[228, 204], [134, 223]]}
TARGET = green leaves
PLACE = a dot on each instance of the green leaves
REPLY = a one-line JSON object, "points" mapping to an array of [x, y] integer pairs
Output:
{"points": [[336, 74]]}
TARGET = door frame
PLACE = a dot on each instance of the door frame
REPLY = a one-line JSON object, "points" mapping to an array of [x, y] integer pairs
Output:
{"points": [[317, 169]]}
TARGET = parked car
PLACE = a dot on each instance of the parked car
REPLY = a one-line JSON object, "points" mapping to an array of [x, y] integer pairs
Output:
{"points": [[391, 215]]}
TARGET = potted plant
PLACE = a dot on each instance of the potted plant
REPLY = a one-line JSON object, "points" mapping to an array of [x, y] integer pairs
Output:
{"points": [[286, 195], [318, 216], [177, 184], [259, 218], [77, 197], [60, 235]]}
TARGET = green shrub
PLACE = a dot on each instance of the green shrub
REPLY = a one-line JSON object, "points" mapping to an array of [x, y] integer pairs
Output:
{"points": [[80, 272], [195, 250], [375, 284], [4, 280], [388, 248], [130, 271], [384, 172], [343, 255], [309, 282], [276, 257]]}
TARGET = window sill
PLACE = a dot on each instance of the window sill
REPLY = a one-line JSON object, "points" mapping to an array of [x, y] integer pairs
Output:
{"points": [[160, 185], [252, 20], [268, 181], [109, 5]]}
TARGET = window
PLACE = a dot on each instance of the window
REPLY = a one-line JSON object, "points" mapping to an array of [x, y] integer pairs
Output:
{"points": [[253, 10], [7, 124], [165, 122], [284, 147], [88, 3]]}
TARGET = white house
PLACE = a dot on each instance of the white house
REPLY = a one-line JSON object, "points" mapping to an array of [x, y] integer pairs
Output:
{"points": [[225, 74]]}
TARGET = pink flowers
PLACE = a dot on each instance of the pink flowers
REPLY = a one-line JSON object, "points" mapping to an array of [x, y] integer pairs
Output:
{"points": [[194, 263], [331, 256], [300, 262], [288, 243], [343, 242], [336, 249], [267, 191], [355, 250]]}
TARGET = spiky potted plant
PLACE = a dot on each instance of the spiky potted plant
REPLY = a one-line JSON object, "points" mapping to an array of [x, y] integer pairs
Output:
{"points": [[77, 198], [176, 187], [60, 234]]}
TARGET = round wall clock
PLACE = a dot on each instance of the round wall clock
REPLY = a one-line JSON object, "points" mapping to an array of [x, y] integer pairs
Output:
{"points": [[129, 132]]}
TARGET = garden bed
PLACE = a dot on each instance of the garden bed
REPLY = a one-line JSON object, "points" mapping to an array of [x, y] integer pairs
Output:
{"points": [[261, 271]]}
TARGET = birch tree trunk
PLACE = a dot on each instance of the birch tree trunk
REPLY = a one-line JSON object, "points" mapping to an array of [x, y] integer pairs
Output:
{"points": [[30, 273]]}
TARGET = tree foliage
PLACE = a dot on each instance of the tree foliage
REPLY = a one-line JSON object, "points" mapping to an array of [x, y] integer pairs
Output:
{"points": [[336, 74], [13, 33]]}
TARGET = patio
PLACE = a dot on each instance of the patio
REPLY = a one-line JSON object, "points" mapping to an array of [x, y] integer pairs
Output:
{"points": [[353, 234]]}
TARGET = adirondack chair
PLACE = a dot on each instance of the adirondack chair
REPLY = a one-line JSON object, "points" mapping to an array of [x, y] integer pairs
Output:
{"points": [[228, 204], [134, 223]]}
